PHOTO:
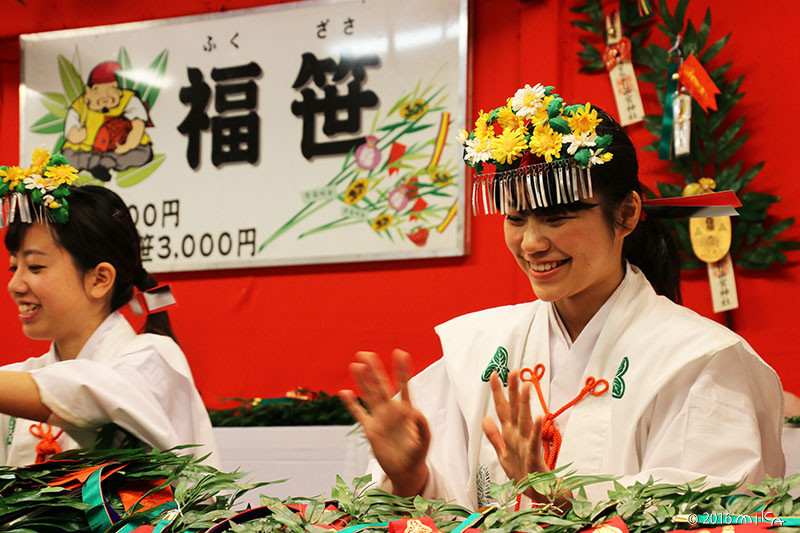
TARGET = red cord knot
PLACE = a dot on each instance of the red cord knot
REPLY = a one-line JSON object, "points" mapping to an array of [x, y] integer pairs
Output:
{"points": [[551, 437], [47, 446]]}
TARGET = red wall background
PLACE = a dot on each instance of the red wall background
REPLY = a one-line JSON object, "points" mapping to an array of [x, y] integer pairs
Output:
{"points": [[261, 332]]}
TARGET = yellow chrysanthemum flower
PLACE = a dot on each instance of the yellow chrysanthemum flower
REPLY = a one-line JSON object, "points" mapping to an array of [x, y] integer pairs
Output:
{"points": [[13, 176], [413, 110], [483, 130], [382, 222], [509, 120], [54, 205], [40, 158], [541, 113], [62, 174], [546, 142], [607, 156], [509, 146], [584, 120], [356, 191]]}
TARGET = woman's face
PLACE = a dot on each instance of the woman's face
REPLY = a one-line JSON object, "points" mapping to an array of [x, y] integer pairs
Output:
{"points": [[47, 287], [574, 258]]}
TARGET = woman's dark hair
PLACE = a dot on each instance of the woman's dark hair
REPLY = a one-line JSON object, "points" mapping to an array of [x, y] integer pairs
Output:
{"points": [[649, 246], [100, 228]]}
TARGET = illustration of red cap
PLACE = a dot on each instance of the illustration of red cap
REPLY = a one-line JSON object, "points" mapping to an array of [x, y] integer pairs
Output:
{"points": [[104, 73]]}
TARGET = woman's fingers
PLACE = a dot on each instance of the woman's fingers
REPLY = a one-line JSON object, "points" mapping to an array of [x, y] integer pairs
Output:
{"points": [[402, 363], [349, 400], [375, 376], [513, 394], [525, 419], [494, 436], [500, 403], [366, 384]]}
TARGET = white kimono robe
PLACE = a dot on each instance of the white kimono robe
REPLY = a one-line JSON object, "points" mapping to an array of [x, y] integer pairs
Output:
{"points": [[691, 398], [142, 383]]}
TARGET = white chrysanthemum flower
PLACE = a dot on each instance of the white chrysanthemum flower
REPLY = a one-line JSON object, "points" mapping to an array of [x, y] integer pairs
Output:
{"points": [[477, 151], [596, 158], [527, 101], [577, 140], [462, 137], [35, 181]]}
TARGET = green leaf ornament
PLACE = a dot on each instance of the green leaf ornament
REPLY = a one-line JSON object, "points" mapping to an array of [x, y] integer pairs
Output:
{"points": [[554, 107], [603, 141], [582, 156], [36, 196], [60, 215], [560, 125]]}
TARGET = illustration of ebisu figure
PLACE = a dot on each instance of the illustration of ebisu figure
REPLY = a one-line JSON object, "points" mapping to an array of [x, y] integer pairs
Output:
{"points": [[105, 126]]}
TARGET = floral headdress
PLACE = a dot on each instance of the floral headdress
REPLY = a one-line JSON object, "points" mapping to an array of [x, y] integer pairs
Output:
{"points": [[542, 150], [38, 192]]}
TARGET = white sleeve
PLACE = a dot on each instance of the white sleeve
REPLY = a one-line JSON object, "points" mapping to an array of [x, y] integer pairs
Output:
{"points": [[139, 392], [135, 109], [447, 461], [725, 427]]}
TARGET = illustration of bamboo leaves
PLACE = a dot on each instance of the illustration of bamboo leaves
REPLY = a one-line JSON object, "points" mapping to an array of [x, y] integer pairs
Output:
{"points": [[70, 79], [48, 124], [125, 62], [148, 92]]}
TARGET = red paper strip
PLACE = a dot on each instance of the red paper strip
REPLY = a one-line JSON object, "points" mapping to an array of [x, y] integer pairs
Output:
{"points": [[413, 525], [722, 198], [130, 494], [76, 479], [397, 151], [694, 77], [615, 525]]}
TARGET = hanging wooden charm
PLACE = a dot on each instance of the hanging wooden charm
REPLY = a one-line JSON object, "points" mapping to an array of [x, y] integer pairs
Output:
{"points": [[682, 125], [617, 58], [711, 243]]}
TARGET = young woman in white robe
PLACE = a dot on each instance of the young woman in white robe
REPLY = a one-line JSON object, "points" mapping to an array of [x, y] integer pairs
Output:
{"points": [[68, 282], [689, 397]]}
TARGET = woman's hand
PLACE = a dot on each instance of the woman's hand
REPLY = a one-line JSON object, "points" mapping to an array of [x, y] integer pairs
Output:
{"points": [[398, 433], [518, 442]]}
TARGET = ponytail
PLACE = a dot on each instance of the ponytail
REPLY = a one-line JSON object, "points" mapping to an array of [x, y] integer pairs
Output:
{"points": [[157, 322], [651, 248]]}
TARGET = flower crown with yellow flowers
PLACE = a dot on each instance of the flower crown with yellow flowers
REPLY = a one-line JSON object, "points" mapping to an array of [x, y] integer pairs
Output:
{"points": [[38, 192], [542, 151]]}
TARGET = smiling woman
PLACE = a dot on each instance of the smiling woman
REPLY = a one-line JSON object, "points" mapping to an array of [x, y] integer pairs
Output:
{"points": [[75, 260], [627, 381]]}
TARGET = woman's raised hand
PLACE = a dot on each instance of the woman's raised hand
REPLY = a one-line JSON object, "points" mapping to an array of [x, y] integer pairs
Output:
{"points": [[518, 442], [398, 432]]}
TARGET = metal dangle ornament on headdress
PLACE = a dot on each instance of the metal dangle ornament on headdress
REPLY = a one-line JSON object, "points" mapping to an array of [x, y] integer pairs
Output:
{"points": [[37, 193], [542, 152]]}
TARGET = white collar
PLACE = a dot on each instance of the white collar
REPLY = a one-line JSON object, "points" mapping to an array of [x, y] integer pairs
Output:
{"points": [[590, 333]]}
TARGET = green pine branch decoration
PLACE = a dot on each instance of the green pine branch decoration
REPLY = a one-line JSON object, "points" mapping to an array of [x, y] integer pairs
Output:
{"points": [[206, 497], [322, 409], [715, 139]]}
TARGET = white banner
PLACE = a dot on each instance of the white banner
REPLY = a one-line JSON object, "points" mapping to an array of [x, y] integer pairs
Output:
{"points": [[301, 133]]}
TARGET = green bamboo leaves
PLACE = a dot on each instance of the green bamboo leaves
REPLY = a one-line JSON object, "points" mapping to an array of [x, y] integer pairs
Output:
{"points": [[716, 137]]}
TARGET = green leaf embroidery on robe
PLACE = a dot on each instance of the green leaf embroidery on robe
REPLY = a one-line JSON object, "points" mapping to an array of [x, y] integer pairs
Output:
{"points": [[12, 424], [618, 389], [484, 482], [498, 363]]}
